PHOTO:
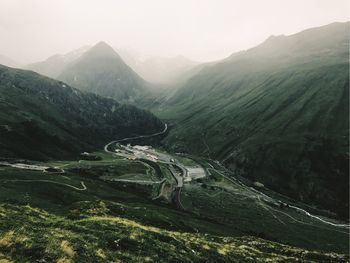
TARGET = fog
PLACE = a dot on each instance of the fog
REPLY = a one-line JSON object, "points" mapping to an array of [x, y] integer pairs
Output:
{"points": [[202, 30]]}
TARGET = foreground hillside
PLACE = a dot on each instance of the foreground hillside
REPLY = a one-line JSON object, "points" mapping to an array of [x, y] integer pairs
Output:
{"points": [[41, 118], [277, 113], [92, 234]]}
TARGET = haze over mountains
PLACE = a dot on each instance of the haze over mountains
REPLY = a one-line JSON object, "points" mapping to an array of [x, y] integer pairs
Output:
{"points": [[8, 62], [158, 70], [55, 65], [101, 70], [153, 69]]}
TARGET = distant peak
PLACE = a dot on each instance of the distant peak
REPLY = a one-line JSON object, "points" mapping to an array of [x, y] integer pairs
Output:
{"points": [[101, 49], [273, 37], [102, 44]]}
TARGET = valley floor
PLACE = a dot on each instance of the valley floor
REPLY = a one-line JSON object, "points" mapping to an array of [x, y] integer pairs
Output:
{"points": [[140, 204]]}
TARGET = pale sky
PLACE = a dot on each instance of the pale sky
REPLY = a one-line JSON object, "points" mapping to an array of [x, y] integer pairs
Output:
{"points": [[202, 30]]}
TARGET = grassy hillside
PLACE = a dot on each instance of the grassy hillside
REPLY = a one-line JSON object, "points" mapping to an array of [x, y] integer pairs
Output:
{"points": [[43, 118], [96, 236], [277, 113]]}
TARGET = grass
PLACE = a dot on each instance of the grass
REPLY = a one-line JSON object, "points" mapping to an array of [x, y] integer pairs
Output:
{"points": [[98, 237], [121, 221]]}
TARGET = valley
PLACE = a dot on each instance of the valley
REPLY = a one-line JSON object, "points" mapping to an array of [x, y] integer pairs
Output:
{"points": [[175, 192], [111, 155]]}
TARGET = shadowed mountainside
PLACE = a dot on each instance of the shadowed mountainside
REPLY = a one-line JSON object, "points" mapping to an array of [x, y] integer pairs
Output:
{"points": [[277, 113], [42, 118]]}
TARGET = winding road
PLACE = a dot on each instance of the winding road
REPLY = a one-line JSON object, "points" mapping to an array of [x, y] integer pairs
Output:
{"points": [[48, 181], [135, 181], [134, 138]]}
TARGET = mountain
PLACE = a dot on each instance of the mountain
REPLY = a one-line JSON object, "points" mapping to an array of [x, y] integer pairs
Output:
{"points": [[42, 118], [8, 62], [277, 114], [102, 71], [55, 65], [158, 70]]}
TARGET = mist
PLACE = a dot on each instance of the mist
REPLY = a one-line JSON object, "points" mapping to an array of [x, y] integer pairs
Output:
{"points": [[204, 30]]}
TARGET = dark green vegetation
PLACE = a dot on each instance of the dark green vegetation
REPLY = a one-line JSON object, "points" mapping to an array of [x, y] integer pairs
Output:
{"points": [[102, 71], [277, 113], [44, 219], [42, 118]]}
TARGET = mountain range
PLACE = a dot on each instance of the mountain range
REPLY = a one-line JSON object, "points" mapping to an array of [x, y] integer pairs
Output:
{"points": [[276, 113], [252, 164], [125, 74], [55, 65]]}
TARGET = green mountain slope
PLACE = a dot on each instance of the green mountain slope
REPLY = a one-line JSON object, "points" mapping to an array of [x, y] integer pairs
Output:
{"points": [[102, 71], [277, 113], [42, 118]]}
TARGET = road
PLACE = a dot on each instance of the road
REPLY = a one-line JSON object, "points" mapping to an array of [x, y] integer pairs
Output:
{"points": [[134, 138], [134, 181], [53, 182]]}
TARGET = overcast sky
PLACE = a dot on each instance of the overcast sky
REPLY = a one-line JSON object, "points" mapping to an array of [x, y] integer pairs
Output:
{"points": [[202, 30]]}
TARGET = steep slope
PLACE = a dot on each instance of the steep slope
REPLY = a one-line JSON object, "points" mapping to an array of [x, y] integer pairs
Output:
{"points": [[277, 113], [42, 118], [101, 70], [55, 65]]}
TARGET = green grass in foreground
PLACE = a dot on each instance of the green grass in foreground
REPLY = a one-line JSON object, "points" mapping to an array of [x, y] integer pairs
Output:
{"points": [[91, 234]]}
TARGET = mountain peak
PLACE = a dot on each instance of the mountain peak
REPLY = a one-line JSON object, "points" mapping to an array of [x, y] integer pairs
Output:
{"points": [[102, 49], [102, 44]]}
